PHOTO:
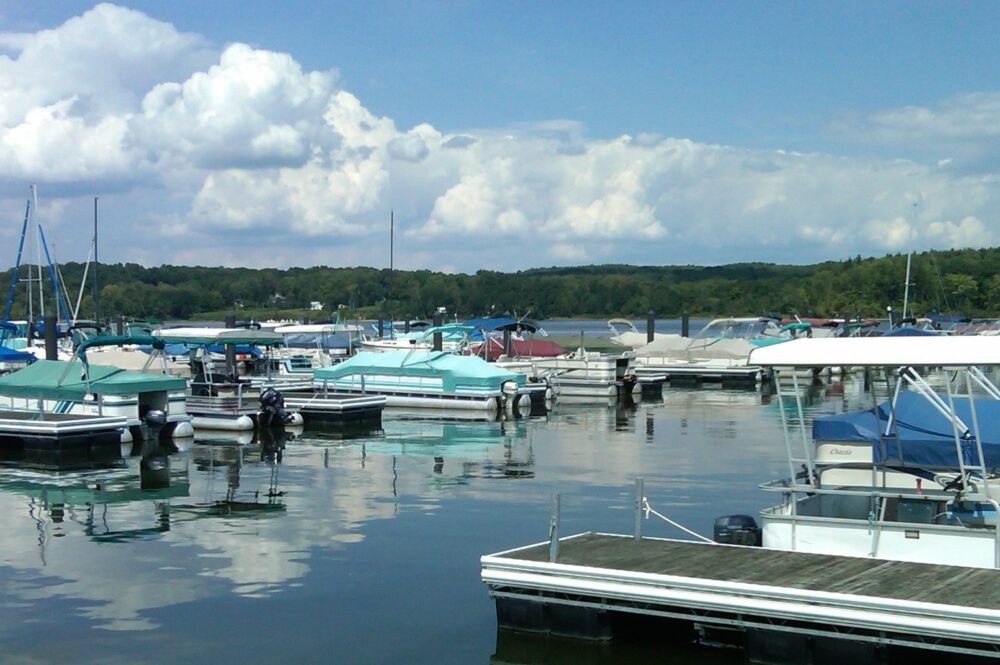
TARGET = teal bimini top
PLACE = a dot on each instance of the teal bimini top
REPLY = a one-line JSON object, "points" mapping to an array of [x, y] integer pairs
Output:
{"points": [[42, 379], [454, 371]]}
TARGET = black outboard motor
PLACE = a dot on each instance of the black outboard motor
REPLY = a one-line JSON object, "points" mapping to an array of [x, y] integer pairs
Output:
{"points": [[154, 421], [272, 408], [737, 530]]}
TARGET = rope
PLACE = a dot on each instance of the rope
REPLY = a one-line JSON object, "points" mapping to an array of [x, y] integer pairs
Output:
{"points": [[647, 509]]}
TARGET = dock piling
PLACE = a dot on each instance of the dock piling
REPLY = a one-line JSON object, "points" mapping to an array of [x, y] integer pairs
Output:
{"points": [[49, 331], [554, 530], [685, 322], [650, 326], [637, 530], [438, 320], [230, 322]]}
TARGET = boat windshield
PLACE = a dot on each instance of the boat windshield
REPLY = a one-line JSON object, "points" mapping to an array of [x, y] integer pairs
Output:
{"points": [[739, 329]]}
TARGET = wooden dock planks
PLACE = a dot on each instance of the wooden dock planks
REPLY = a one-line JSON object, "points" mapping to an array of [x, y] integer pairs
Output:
{"points": [[950, 585]]}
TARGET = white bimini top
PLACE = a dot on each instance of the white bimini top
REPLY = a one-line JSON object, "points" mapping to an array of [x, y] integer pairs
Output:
{"points": [[947, 351]]}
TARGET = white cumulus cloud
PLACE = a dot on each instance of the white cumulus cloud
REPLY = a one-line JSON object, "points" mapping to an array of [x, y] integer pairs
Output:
{"points": [[218, 151]]}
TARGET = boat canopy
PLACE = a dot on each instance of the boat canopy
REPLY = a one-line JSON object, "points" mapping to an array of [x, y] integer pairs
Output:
{"points": [[318, 328], [207, 336], [56, 379], [118, 340], [909, 331], [323, 341], [923, 436], [948, 319], [519, 348], [455, 371], [940, 351]]}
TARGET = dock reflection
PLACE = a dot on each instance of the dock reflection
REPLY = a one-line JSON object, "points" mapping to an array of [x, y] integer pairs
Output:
{"points": [[518, 648]]}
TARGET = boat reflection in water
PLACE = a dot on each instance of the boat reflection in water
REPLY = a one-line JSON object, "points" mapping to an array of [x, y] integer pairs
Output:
{"points": [[265, 447], [460, 445], [90, 500]]}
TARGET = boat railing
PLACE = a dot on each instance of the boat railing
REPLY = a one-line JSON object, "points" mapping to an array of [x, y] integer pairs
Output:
{"points": [[208, 392], [972, 476]]}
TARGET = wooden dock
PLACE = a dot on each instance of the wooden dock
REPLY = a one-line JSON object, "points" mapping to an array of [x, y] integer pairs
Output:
{"points": [[819, 599]]}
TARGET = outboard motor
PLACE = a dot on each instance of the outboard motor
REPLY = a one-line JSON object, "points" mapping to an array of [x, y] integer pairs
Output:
{"points": [[272, 408], [154, 421], [737, 530], [629, 382]]}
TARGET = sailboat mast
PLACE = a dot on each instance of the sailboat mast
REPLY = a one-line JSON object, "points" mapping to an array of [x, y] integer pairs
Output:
{"points": [[38, 252], [97, 309]]}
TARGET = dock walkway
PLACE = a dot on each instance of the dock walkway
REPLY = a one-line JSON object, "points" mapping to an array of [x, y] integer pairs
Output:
{"points": [[924, 606]]}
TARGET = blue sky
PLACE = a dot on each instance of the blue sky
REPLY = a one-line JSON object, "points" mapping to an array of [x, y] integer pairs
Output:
{"points": [[658, 132]]}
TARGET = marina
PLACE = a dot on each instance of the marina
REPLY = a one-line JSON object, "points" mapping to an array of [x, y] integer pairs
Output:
{"points": [[444, 489], [581, 334]]}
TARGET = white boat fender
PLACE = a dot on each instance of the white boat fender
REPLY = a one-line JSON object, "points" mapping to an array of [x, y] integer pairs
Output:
{"points": [[183, 430]]}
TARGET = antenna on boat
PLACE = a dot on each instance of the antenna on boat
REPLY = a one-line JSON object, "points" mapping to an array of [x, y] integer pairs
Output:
{"points": [[909, 257]]}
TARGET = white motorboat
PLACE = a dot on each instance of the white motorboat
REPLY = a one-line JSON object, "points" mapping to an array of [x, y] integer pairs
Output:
{"points": [[914, 481]]}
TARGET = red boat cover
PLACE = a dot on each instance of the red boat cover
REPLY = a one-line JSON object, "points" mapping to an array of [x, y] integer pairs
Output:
{"points": [[539, 348]]}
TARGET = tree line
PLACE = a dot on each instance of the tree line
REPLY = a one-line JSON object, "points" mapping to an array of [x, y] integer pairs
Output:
{"points": [[964, 280]]}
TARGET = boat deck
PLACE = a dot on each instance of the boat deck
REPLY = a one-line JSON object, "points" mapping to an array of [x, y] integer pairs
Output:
{"points": [[873, 601]]}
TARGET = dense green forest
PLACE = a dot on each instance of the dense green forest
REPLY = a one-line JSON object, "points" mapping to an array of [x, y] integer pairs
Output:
{"points": [[958, 280]]}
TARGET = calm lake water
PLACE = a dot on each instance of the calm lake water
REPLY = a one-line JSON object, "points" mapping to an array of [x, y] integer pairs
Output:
{"points": [[363, 550]]}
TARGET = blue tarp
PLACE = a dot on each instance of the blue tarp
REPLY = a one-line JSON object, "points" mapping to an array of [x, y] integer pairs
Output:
{"points": [[923, 436]]}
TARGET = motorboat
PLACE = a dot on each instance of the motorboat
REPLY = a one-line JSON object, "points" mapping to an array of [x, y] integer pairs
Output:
{"points": [[322, 344], [914, 478], [453, 338], [424, 378], [624, 333], [580, 374]]}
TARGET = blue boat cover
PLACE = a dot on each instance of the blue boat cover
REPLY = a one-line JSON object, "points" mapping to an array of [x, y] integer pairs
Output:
{"points": [[940, 319], [909, 331], [178, 349], [13, 356], [923, 436], [314, 340]]}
